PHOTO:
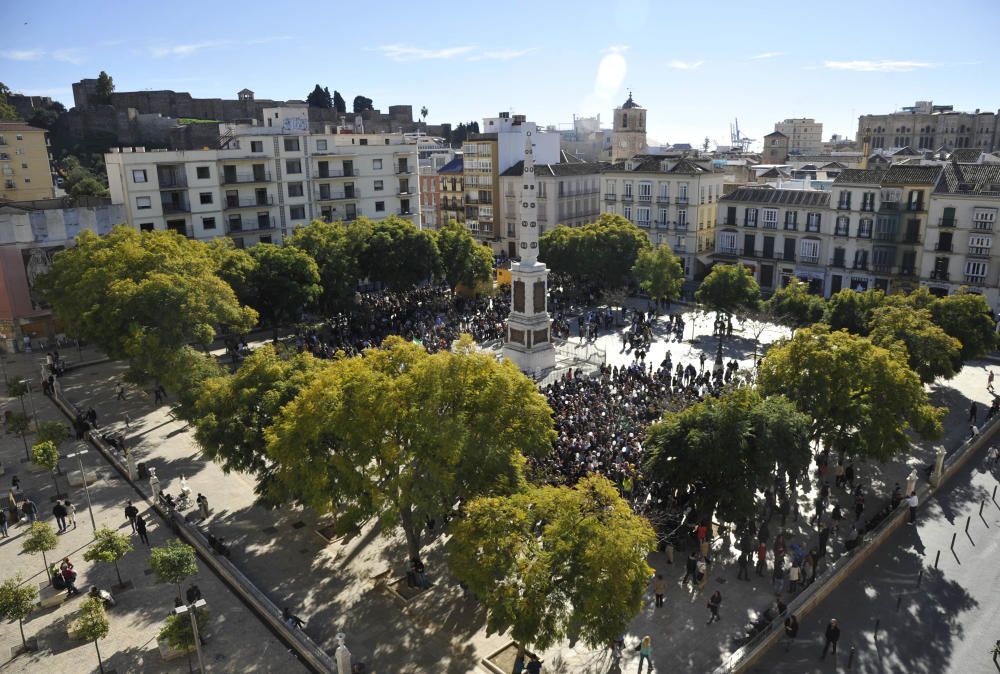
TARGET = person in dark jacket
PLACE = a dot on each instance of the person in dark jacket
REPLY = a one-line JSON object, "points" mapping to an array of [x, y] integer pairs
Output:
{"points": [[791, 631], [832, 637]]}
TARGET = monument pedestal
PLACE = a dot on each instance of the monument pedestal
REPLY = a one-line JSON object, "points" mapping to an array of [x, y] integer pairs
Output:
{"points": [[529, 337]]}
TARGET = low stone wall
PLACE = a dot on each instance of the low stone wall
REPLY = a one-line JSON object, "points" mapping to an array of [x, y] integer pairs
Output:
{"points": [[841, 570]]}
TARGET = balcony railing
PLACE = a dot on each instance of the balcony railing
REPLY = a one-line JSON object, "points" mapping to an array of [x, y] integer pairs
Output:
{"points": [[837, 262], [947, 222], [682, 201], [403, 170], [881, 267], [915, 207], [337, 173], [611, 197], [405, 212], [627, 198], [176, 208], [844, 206], [681, 226], [978, 252], [983, 225], [943, 247], [647, 198], [236, 178], [250, 226], [809, 259], [346, 196], [643, 223], [663, 199], [725, 250], [236, 202], [662, 224], [975, 280], [939, 275], [168, 182]]}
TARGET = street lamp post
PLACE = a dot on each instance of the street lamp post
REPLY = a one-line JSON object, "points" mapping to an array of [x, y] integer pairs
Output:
{"points": [[190, 610], [31, 400], [90, 508]]}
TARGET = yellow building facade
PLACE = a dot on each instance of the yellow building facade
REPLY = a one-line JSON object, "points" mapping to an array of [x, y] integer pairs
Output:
{"points": [[25, 170]]}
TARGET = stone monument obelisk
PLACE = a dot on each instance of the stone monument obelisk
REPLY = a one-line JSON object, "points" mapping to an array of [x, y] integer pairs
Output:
{"points": [[529, 340]]}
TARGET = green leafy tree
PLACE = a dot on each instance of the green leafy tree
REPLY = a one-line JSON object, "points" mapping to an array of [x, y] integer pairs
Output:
{"points": [[40, 538], [104, 88], [19, 424], [92, 624], [337, 249], [860, 397], [404, 436], [659, 273], [17, 388], [142, 296], [7, 111], [52, 431], [731, 445], [602, 252], [183, 371], [177, 631], [80, 180], [400, 255], [109, 546], [555, 562], [233, 265], [46, 454], [729, 289], [852, 310], [931, 352], [233, 412], [966, 316], [339, 104], [173, 562], [361, 104], [463, 259], [319, 98], [17, 601], [423, 114], [795, 306], [283, 283]]}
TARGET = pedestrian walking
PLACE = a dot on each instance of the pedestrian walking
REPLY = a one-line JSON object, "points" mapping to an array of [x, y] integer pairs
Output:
{"points": [[849, 475], [128, 421], [832, 637], [912, 502], [29, 508], [778, 577], [59, 512], [744, 562], [292, 621], [761, 558], [989, 381], [794, 576], [859, 503], [714, 602], [202, 502], [70, 512], [973, 412], [119, 391], [140, 528], [791, 631], [659, 588], [690, 567], [646, 653], [131, 512], [992, 455], [813, 558], [824, 537], [702, 574], [3, 524]]}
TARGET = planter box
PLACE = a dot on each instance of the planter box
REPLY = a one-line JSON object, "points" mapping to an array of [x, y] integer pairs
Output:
{"points": [[502, 661], [71, 630], [168, 652], [36, 468], [49, 596]]}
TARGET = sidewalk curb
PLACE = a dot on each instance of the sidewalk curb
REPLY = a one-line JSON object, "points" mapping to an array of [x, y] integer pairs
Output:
{"points": [[745, 657], [309, 653]]}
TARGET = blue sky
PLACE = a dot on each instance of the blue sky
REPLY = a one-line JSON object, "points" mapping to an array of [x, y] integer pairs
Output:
{"points": [[694, 65]]}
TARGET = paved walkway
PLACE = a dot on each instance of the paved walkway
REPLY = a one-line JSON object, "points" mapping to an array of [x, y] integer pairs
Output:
{"points": [[330, 584], [136, 620]]}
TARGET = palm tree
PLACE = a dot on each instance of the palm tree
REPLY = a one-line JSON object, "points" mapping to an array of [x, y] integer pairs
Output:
{"points": [[423, 113]]}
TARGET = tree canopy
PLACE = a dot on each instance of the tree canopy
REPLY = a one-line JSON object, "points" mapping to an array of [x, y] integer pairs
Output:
{"points": [[337, 249], [339, 104], [361, 104], [602, 252], [233, 412], [930, 351], [405, 436], [966, 316], [104, 88], [729, 289], [400, 255], [861, 398], [795, 306], [463, 260], [17, 601], [729, 445], [851, 310], [173, 562], [141, 296], [40, 538], [659, 272], [553, 562], [109, 546], [283, 282], [319, 97]]}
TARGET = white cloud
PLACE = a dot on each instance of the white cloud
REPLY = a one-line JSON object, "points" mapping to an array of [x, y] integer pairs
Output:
{"points": [[74, 56], [22, 54], [161, 51], [766, 55], [615, 49], [883, 66], [399, 52], [502, 55], [610, 75], [685, 65]]}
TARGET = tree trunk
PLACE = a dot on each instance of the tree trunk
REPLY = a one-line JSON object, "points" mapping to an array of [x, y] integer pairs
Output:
{"points": [[46, 563], [121, 583], [27, 453], [412, 532], [100, 663], [24, 642], [55, 482]]}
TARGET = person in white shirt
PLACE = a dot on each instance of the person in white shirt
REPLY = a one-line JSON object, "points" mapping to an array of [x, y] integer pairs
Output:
{"points": [[912, 502]]}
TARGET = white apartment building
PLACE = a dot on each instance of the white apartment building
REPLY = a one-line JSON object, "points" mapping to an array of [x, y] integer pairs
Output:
{"points": [[778, 234], [567, 194], [805, 135], [266, 180], [673, 199], [958, 248]]}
